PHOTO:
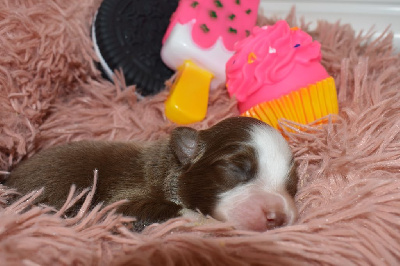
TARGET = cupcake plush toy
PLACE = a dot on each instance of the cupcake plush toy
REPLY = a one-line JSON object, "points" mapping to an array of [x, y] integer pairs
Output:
{"points": [[276, 73]]}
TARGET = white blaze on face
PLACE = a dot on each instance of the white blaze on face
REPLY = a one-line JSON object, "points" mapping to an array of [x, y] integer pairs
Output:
{"points": [[263, 203], [274, 157]]}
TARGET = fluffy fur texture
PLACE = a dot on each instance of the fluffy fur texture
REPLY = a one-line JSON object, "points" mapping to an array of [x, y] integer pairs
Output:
{"points": [[51, 93]]}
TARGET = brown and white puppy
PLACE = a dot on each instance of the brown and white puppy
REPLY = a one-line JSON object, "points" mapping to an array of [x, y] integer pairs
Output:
{"points": [[241, 171]]}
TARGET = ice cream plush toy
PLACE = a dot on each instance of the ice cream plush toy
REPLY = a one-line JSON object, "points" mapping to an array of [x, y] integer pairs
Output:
{"points": [[276, 73], [198, 42]]}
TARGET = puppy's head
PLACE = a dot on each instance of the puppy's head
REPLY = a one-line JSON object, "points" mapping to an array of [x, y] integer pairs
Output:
{"points": [[241, 171]]}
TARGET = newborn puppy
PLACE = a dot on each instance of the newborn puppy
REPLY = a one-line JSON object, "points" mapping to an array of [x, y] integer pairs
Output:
{"points": [[241, 171]]}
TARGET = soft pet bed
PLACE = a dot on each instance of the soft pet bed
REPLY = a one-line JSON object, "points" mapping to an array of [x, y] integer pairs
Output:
{"points": [[52, 93]]}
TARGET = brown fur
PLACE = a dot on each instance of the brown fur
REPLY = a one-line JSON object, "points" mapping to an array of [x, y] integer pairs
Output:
{"points": [[293, 181], [126, 171], [227, 159]]}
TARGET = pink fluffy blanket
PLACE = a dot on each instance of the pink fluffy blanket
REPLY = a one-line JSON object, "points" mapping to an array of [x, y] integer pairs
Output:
{"points": [[51, 93]]}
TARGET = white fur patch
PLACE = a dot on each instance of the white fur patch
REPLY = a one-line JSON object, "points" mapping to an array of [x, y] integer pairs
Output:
{"points": [[274, 157]]}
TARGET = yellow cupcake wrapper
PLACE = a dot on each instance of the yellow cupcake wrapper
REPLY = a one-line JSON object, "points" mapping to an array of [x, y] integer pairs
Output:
{"points": [[303, 106]]}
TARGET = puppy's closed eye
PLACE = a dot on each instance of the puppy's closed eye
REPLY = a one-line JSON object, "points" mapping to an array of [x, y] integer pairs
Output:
{"points": [[239, 170]]}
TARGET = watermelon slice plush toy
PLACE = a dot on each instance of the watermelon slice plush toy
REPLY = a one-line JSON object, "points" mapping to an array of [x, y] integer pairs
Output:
{"points": [[198, 42]]}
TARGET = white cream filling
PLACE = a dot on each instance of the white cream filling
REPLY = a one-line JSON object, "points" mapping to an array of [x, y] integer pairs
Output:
{"points": [[180, 47]]}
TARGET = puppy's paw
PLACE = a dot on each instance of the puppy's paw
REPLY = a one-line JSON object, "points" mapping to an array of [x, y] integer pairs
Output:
{"points": [[196, 218]]}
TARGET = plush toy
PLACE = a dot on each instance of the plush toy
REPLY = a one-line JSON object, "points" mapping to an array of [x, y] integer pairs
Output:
{"points": [[276, 73], [127, 35], [198, 42]]}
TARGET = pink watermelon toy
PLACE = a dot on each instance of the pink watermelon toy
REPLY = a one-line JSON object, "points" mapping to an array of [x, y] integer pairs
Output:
{"points": [[198, 42]]}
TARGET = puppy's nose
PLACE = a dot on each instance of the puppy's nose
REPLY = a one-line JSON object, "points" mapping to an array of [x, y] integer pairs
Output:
{"points": [[275, 219], [277, 211]]}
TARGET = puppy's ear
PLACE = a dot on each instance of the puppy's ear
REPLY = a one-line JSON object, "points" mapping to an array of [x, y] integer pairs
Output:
{"points": [[184, 144]]}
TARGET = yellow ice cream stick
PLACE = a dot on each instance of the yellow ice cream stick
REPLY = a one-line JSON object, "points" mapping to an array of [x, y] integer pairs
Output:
{"points": [[188, 100]]}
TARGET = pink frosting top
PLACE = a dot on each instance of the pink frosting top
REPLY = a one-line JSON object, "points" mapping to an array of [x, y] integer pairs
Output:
{"points": [[230, 19], [271, 62]]}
